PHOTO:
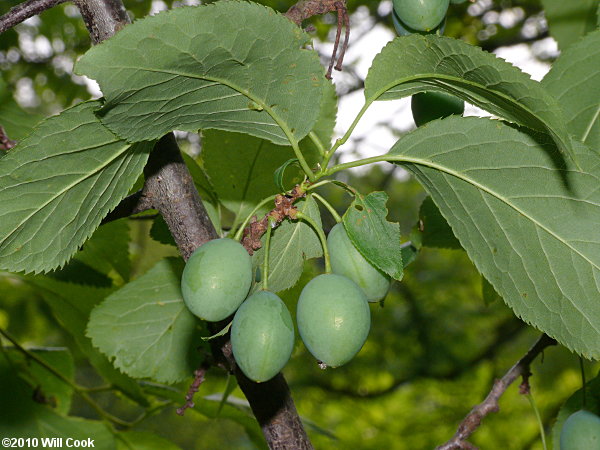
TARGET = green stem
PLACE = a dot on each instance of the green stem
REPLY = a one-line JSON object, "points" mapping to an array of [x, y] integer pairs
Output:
{"points": [[240, 231], [539, 419], [360, 162], [321, 235], [82, 392], [265, 283], [327, 205], [341, 141], [315, 139], [309, 173]]}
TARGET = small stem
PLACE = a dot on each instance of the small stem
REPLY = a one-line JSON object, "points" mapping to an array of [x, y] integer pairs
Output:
{"points": [[79, 390], [265, 283], [315, 139], [24, 11], [321, 235], [538, 418], [327, 205], [309, 173], [240, 230], [341, 141], [357, 163]]}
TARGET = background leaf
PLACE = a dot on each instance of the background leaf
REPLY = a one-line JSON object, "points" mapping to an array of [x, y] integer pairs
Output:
{"points": [[436, 231], [145, 327], [71, 305], [568, 21], [108, 249], [143, 440], [21, 416], [417, 63], [58, 184], [213, 66], [292, 243], [529, 232], [375, 238], [578, 91], [241, 168]]}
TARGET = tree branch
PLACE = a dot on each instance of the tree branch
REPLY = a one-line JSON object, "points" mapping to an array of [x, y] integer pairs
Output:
{"points": [[24, 11], [170, 189], [472, 421]]}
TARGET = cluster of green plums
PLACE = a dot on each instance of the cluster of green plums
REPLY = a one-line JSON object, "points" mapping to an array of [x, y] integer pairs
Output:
{"points": [[424, 17], [581, 431], [333, 314]]}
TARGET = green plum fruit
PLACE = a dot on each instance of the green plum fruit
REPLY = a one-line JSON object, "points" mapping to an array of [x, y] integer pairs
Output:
{"points": [[581, 431], [346, 260], [333, 318], [404, 30], [428, 106], [262, 336], [423, 15], [216, 279]]}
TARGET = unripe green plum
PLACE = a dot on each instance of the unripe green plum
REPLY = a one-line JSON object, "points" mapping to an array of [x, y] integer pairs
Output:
{"points": [[404, 30], [422, 15], [346, 260], [428, 106], [262, 336], [216, 279], [333, 318], [581, 431]]}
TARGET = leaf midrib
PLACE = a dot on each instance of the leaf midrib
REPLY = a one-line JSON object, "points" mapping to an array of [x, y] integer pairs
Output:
{"points": [[443, 169]]}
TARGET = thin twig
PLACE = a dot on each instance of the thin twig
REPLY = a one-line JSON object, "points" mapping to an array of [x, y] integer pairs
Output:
{"points": [[473, 420], [199, 375], [5, 142], [24, 11]]}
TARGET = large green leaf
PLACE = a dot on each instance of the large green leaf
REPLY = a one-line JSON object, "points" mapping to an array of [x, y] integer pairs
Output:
{"points": [[578, 91], [569, 20], [71, 305], [375, 238], [530, 228], [292, 243], [58, 184], [234, 66], [416, 63], [241, 167], [146, 328]]}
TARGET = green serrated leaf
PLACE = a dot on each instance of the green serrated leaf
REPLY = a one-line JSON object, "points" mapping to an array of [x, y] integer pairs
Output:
{"points": [[292, 243], [374, 237], [569, 20], [22, 417], [213, 66], [530, 227], [241, 167], [436, 231], [417, 63], [574, 404], [58, 184], [72, 304], [145, 327], [578, 91]]}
